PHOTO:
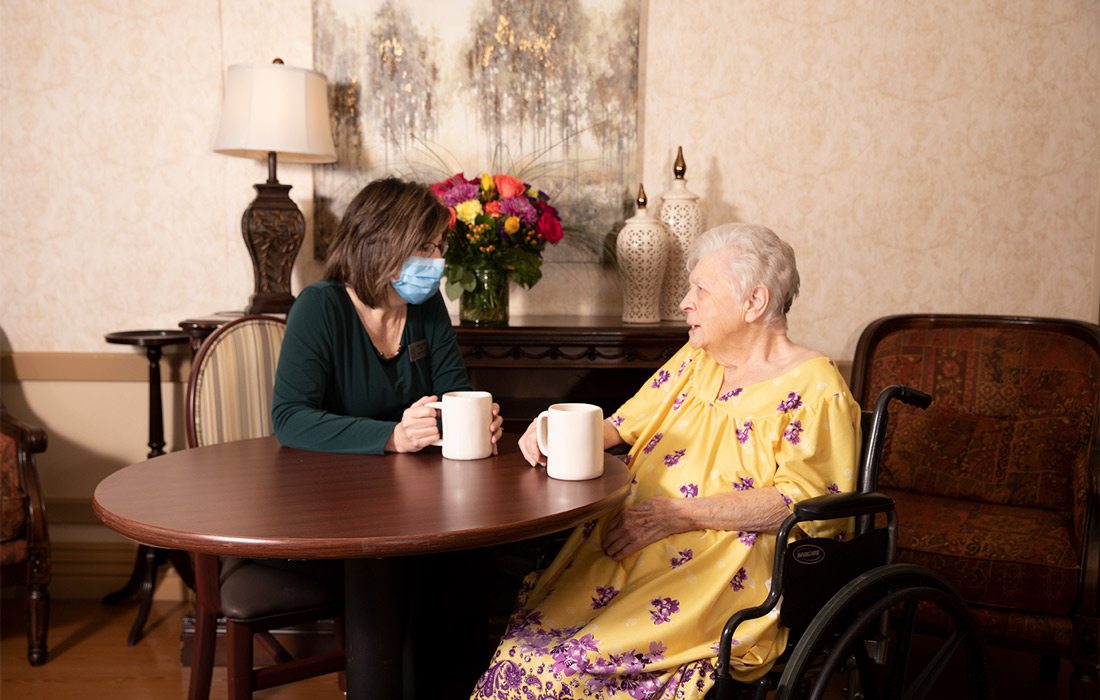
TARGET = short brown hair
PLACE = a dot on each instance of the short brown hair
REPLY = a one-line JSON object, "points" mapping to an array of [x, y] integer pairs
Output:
{"points": [[389, 220]]}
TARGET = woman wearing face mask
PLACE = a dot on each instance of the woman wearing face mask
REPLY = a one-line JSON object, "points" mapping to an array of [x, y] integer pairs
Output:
{"points": [[370, 345], [365, 350]]}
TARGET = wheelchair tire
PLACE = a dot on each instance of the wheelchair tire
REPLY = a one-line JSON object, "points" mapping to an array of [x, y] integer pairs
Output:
{"points": [[835, 640]]}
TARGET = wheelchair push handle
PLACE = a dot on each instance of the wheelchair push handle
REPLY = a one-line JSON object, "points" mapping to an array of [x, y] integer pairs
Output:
{"points": [[905, 394]]}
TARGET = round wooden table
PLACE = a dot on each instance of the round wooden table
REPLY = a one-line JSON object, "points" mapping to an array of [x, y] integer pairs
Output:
{"points": [[254, 498]]}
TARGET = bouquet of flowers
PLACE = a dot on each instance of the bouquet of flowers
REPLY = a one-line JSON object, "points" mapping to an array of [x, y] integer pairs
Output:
{"points": [[498, 222]]}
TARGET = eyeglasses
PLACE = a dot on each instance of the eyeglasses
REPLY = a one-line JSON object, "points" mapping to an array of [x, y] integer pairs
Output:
{"points": [[429, 250]]}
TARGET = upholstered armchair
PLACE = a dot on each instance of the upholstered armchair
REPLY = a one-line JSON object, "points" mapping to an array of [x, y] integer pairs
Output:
{"points": [[25, 545], [996, 483]]}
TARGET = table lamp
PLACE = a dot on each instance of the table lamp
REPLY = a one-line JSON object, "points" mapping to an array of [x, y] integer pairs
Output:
{"points": [[278, 112]]}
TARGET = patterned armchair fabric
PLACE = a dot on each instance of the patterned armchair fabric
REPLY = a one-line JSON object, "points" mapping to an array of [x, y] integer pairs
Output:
{"points": [[995, 483], [24, 536]]}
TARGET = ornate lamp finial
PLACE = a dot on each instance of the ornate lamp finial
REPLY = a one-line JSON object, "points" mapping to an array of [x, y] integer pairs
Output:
{"points": [[642, 201], [680, 167]]}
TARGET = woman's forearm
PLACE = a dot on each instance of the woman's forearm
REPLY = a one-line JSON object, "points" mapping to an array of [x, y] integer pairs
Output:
{"points": [[610, 435], [753, 510]]}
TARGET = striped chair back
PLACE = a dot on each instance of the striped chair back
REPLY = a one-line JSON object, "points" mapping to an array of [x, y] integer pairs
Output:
{"points": [[232, 377]]}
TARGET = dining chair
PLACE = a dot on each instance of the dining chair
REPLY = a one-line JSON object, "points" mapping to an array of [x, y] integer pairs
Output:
{"points": [[229, 398], [25, 541], [996, 483]]}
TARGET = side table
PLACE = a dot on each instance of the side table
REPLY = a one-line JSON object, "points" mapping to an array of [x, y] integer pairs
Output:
{"points": [[149, 559]]}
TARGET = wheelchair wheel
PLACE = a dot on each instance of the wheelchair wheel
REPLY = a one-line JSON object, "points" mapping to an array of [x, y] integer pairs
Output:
{"points": [[877, 612]]}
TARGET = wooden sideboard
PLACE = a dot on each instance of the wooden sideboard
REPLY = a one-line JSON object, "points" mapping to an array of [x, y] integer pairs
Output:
{"points": [[535, 361]]}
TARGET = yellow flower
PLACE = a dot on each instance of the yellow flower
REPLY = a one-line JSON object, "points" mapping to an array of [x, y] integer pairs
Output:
{"points": [[487, 183], [533, 192], [511, 224], [468, 211]]}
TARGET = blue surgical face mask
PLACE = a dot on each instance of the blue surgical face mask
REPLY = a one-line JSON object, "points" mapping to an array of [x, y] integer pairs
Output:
{"points": [[419, 279]]}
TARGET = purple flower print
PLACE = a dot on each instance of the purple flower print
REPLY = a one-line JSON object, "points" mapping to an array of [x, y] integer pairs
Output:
{"points": [[747, 538], [587, 528], [743, 433], [662, 377], [663, 609], [737, 583], [833, 488], [690, 490], [682, 558], [652, 443], [793, 434], [628, 459], [792, 402], [744, 484], [671, 460], [683, 366], [730, 394], [617, 420], [786, 499], [679, 401], [604, 595], [571, 657]]}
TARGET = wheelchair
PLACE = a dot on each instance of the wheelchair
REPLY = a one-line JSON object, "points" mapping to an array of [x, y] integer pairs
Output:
{"points": [[856, 619]]}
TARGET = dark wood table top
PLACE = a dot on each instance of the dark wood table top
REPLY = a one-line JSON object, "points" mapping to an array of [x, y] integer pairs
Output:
{"points": [[255, 498]]}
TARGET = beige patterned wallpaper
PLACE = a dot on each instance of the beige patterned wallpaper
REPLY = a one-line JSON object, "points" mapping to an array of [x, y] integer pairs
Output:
{"points": [[941, 155], [938, 155]]}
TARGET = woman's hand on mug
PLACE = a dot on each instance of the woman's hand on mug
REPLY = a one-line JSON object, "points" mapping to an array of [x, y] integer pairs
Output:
{"points": [[496, 426], [417, 429], [529, 446]]}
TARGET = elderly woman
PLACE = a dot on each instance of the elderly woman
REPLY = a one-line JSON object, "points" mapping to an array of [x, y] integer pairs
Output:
{"points": [[738, 425], [369, 346]]}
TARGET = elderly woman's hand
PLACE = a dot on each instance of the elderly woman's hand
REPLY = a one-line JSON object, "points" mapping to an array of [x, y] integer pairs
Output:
{"points": [[643, 524], [417, 428], [529, 446]]}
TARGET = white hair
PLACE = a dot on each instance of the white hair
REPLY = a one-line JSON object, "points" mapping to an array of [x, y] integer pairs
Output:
{"points": [[757, 257]]}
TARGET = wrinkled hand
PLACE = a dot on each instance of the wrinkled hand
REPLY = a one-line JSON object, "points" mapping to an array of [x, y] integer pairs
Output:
{"points": [[417, 428], [643, 524], [496, 426], [529, 446]]}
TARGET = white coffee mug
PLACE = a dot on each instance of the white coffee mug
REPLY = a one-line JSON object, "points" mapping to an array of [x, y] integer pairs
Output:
{"points": [[466, 419], [571, 437]]}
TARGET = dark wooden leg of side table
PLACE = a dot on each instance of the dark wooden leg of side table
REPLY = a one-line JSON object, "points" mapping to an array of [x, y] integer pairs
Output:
{"points": [[148, 560], [374, 627]]}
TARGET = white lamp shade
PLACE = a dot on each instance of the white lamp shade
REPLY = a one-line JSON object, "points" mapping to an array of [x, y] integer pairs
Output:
{"points": [[275, 107]]}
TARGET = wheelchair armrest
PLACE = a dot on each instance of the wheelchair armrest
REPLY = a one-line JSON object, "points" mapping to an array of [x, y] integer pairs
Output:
{"points": [[842, 505]]}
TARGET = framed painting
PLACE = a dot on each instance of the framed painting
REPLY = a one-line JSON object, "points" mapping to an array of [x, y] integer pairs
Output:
{"points": [[544, 91]]}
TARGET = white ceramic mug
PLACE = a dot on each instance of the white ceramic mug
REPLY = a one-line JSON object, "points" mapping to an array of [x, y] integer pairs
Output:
{"points": [[571, 437], [466, 419]]}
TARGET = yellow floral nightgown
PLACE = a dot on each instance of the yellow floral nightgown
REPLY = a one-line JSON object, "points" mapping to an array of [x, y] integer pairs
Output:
{"points": [[648, 626]]}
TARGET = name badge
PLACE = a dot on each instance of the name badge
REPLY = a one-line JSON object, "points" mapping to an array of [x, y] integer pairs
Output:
{"points": [[418, 350]]}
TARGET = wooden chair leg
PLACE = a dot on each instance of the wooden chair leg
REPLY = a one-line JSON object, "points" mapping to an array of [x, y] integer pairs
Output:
{"points": [[38, 624], [202, 656], [238, 664]]}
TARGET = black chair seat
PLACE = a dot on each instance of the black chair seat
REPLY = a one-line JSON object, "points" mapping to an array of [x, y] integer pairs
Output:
{"points": [[250, 590]]}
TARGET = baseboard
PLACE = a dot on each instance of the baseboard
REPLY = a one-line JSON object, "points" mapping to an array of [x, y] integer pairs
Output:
{"points": [[91, 570]]}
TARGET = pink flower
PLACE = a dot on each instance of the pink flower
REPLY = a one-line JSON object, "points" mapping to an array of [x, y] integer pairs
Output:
{"points": [[548, 225], [509, 186]]}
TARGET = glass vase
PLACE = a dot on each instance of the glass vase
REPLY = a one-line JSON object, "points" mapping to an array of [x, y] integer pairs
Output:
{"points": [[487, 304]]}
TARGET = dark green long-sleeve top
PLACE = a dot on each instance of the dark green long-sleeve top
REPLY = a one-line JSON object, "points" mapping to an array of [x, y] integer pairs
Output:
{"points": [[333, 393]]}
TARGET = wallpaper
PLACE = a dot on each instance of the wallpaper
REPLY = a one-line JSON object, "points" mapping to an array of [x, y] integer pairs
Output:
{"points": [[939, 155], [919, 156]]}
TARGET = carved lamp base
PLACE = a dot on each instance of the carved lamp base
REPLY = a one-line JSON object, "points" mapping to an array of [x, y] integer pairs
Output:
{"points": [[273, 229]]}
